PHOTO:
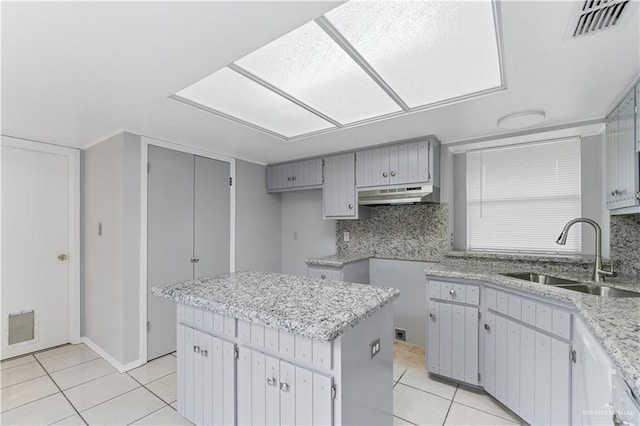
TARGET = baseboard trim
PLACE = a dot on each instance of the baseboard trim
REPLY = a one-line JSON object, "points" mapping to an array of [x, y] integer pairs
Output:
{"points": [[111, 360]]}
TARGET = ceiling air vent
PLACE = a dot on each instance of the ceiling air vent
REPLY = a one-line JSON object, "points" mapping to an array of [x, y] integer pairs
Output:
{"points": [[597, 15]]}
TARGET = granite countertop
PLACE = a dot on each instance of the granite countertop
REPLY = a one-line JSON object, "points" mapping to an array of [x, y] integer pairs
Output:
{"points": [[548, 258], [614, 321], [338, 261], [314, 308]]}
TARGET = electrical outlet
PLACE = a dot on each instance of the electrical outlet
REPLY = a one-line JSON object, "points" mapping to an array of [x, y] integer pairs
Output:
{"points": [[345, 237], [374, 347], [401, 334], [295, 235]]}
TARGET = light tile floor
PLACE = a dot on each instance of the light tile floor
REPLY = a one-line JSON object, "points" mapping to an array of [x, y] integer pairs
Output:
{"points": [[72, 385]]}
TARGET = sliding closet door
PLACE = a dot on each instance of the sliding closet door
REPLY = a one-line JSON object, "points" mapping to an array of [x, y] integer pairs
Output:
{"points": [[170, 201], [212, 217]]}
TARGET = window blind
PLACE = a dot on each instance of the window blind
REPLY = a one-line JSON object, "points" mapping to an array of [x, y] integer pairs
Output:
{"points": [[519, 197]]}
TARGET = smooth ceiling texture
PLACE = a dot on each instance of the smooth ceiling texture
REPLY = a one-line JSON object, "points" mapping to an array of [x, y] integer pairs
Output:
{"points": [[74, 73]]}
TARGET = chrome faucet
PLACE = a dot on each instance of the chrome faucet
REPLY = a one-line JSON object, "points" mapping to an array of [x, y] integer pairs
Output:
{"points": [[598, 272]]}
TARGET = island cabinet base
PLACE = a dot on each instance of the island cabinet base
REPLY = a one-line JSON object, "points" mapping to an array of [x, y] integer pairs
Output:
{"points": [[235, 372]]}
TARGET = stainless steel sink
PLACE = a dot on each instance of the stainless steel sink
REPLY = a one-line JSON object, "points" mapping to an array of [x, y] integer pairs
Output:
{"points": [[540, 278], [599, 290]]}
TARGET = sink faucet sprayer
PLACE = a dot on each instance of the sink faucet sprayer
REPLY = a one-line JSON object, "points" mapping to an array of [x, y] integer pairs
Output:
{"points": [[598, 272]]}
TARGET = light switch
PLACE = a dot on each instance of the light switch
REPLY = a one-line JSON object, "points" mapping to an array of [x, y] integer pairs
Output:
{"points": [[345, 237]]}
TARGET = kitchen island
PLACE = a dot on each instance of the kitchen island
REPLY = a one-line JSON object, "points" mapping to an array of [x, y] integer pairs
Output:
{"points": [[267, 348]]}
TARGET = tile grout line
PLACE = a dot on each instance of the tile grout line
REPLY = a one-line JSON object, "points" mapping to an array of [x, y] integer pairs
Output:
{"points": [[487, 412], [405, 420], [110, 399], [148, 414], [430, 393], [71, 366], [450, 405], [150, 391], [63, 394]]}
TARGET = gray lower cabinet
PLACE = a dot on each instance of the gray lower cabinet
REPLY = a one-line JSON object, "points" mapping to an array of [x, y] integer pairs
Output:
{"points": [[527, 357], [353, 272], [452, 330]]}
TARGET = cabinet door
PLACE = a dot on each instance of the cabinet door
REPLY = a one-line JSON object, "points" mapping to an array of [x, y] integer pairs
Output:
{"points": [[188, 373], [401, 165], [542, 383], [627, 156], [258, 389], [272, 392], [311, 174], [199, 340], [208, 364], [304, 396], [244, 386], [433, 337], [560, 383], [229, 383], [527, 375], [490, 353], [287, 393], [513, 366], [458, 322], [612, 158], [182, 352], [425, 162], [218, 386], [445, 339], [394, 162], [471, 347], [500, 391], [339, 192], [373, 167], [322, 400]]}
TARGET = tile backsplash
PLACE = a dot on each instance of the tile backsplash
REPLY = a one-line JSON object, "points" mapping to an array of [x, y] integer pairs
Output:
{"points": [[625, 243], [411, 232]]}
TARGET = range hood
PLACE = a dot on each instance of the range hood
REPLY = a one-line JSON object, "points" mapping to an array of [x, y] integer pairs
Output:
{"points": [[402, 194]]}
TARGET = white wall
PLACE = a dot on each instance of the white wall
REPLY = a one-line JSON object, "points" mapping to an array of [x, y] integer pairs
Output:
{"points": [[304, 232], [258, 220]]}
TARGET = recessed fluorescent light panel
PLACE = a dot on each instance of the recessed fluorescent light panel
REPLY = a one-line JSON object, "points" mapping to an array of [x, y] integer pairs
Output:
{"points": [[361, 62]]}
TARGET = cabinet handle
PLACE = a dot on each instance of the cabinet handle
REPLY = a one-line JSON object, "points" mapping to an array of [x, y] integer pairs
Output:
{"points": [[284, 387], [393, 173], [196, 349], [293, 178], [204, 353], [432, 315], [323, 276], [486, 327], [350, 206], [196, 259], [271, 381], [289, 178], [452, 292], [385, 174]]}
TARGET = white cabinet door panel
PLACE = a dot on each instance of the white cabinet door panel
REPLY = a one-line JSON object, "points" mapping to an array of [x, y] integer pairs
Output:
{"points": [[471, 346], [218, 384], [458, 342], [491, 296], [272, 393], [287, 393], [198, 382], [433, 337], [258, 388], [304, 396], [513, 366], [244, 386], [207, 354], [181, 352], [445, 338], [188, 373], [560, 383], [322, 400], [229, 380], [542, 384], [527, 374], [501, 360], [490, 353]]}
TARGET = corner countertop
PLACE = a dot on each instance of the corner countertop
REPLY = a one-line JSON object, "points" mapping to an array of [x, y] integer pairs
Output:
{"points": [[313, 308], [338, 260], [615, 322]]}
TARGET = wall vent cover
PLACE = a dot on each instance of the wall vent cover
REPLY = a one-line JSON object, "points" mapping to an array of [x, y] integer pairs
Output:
{"points": [[22, 327], [597, 15]]}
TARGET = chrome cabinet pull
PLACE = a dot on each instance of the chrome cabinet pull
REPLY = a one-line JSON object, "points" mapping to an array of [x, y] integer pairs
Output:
{"points": [[385, 174], [204, 353], [452, 292], [293, 178], [284, 387], [271, 381], [350, 206], [196, 349], [432, 315], [393, 173], [486, 327]]}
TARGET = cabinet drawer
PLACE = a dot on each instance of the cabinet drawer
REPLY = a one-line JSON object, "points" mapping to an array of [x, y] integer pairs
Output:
{"points": [[434, 290], [544, 317], [446, 291], [515, 307], [491, 298], [473, 295], [562, 323], [502, 302], [459, 293], [529, 311]]}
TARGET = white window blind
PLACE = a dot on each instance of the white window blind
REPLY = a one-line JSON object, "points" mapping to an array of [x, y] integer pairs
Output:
{"points": [[520, 197]]}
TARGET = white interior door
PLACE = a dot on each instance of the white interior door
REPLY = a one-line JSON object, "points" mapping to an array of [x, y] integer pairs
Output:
{"points": [[39, 246]]}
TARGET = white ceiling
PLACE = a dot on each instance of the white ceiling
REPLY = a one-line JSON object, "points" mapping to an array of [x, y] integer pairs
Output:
{"points": [[74, 73]]}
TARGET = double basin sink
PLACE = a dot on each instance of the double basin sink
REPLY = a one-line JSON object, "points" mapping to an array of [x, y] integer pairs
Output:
{"points": [[594, 289]]}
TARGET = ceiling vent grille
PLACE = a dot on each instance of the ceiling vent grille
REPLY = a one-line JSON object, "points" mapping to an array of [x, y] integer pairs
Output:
{"points": [[598, 15]]}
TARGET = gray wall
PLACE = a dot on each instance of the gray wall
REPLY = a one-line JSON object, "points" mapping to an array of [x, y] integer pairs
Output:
{"points": [[304, 232], [258, 220], [111, 286], [102, 284]]}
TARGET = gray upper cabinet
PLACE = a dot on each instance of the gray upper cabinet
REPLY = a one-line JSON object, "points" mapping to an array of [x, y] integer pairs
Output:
{"points": [[303, 174], [339, 189], [623, 172], [411, 162]]}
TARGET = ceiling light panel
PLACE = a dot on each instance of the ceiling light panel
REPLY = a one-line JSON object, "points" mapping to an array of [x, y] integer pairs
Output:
{"points": [[427, 51], [308, 65], [232, 94]]}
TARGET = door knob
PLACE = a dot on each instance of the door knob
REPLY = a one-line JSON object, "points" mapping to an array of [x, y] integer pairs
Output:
{"points": [[393, 173], [385, 174], [350, 206], [271, 381], [62, 257], [284, 387]]}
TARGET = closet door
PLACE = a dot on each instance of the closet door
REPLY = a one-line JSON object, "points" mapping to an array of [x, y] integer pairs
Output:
{"points": [[170, 198], [212, 217]]}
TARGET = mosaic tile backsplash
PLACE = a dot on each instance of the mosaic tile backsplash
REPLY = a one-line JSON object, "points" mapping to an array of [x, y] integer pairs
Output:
{"points": [[625, 243], [412, 232]]}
